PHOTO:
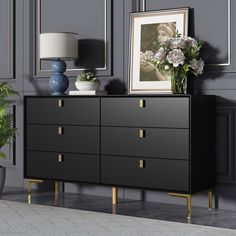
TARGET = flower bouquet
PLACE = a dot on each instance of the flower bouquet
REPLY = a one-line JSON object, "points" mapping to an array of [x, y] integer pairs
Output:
{"points": [[176, 57]]}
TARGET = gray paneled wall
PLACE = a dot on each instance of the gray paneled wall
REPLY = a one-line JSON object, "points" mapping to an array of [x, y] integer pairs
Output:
{"points": [[103, 26], [6, 39]]}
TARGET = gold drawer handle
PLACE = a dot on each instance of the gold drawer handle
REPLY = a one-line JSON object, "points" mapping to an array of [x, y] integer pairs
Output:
{"points": [[60, 158], [141, 103], [142, 133], [60, 130], [60, 103], [141, 164]]}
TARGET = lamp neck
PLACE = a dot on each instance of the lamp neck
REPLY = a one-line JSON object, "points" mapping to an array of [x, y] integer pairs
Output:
{"points": [[58, 66]]}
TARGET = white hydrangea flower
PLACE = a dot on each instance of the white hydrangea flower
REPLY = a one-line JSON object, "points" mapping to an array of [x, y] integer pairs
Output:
{"points": [[200, 67], [176, 57], [177, 43], [160, 54], [191, 41], [194, 64]]}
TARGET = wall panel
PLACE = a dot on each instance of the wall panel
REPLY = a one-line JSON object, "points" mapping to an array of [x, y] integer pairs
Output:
{"points": [[7, 39], [90, 19], [225, 144]]}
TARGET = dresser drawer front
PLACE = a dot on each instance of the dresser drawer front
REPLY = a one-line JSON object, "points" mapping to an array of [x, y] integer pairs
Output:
{"points": [[73, 167], [72, 111], [78, 139], [170, 175], [143, 111], [147, 142]]}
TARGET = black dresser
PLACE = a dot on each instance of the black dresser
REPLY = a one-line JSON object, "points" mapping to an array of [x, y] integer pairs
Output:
{"points": [[163, 142]]}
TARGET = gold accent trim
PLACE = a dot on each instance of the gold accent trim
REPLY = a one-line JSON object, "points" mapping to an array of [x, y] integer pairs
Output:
{"points": [[141, 103], [188, 200], [60, 130], [114, 195], [60, 103], [141, 133], [60, 157], [210, 199], [141, 164]]}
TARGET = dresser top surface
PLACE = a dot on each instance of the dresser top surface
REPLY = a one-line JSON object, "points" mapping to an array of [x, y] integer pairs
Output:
{"points": [[120, 95]]}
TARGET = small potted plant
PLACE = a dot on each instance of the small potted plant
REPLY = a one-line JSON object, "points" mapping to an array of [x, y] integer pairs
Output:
{"points": [[7, 131], [87, 82]]}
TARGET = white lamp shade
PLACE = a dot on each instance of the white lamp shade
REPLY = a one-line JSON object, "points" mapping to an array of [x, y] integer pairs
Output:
{"points": [[58, 45]]}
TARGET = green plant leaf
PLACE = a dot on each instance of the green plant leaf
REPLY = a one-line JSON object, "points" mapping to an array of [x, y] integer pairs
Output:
{"points": [[7, 131]]}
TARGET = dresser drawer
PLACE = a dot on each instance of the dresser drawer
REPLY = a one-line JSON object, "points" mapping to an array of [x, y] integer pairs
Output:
{"points": [[72, 167], [170, 175], [78, 139], [72, 111], [144, 111], [148, 142]]}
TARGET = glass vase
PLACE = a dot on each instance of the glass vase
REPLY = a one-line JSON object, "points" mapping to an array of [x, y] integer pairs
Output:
{"points": [[179, 83]]}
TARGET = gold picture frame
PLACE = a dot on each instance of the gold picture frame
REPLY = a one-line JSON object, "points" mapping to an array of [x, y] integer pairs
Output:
{"points": [[145, 28]]}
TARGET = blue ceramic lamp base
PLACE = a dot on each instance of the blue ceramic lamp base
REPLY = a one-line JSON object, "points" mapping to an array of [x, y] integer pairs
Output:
{"points": [[58, 82]]}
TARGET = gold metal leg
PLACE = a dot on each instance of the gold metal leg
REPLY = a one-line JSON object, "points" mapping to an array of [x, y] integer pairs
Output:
{"points": [[57, 187], [29, 192], [210, 200], [114, 195], [188, 199], [189, 206], [29, 199], [29, 187], [37, 181]]}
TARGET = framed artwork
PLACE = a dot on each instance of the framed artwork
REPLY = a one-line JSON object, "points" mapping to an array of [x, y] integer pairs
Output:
{"points": [[146, 28]]}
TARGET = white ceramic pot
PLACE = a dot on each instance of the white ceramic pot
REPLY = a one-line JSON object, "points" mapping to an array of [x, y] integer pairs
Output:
{"points": [[87, 85]]}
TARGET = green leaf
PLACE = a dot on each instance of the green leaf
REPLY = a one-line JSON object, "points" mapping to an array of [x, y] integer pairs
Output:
{"points": [[7, 131]]}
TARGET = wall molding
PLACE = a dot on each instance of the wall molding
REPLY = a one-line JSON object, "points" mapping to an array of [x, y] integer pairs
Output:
{"points": [[228, 63], [143, 5], [39, 72], [228, 113], [9, 72]]}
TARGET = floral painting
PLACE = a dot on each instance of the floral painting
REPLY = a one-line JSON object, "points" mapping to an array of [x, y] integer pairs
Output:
{"points": [[149, 34], [147, 29]]}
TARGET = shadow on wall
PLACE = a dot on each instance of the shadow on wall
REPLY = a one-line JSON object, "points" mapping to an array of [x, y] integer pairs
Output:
{"points": [[209, 54], [116, 86]]}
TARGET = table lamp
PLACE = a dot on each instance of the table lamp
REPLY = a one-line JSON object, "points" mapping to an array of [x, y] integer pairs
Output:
{"points": [[58, 47]]}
